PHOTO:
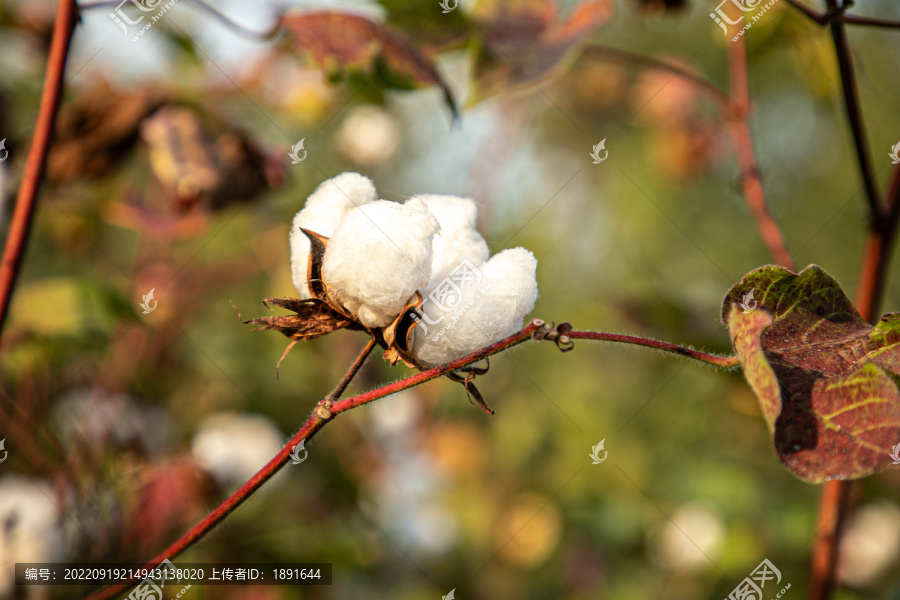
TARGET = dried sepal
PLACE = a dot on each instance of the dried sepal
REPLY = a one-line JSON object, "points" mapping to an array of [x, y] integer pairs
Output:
{"points": [[313, 318]]}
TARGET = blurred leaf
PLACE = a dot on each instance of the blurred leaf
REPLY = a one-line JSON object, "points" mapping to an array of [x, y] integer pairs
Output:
{"points": [[525, 41], [826, 379], [205, 160], [52, 307], [342, 42], [97, 130], [433, 29]]}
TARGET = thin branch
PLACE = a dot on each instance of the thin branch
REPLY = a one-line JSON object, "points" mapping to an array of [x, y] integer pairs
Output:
{"points": [[879, 246], [648, 62], [735, 107], [352, 371], [882, 227], [725, 362], [819, 18], [227, 22], [854, 112], [823, 18], [328, 408], [869, 21], [833, 508], [20, 226], [751, 183]]}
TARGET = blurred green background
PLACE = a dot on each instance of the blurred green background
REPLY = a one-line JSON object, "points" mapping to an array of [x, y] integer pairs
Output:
{"points": [[170, 172]]}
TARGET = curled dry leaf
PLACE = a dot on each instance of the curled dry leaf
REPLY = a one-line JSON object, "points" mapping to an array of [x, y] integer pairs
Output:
{"points": [[827, 380]]}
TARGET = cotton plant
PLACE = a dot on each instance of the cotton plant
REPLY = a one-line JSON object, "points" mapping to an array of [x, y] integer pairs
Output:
{"points": [[416, 275]]}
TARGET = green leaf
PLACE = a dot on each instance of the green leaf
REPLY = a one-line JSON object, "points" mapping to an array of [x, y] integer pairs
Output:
{"points": [[827, 380]]}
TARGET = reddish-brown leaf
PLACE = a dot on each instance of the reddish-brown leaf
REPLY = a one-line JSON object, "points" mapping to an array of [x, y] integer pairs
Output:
{"points": [[344, 42], [827, 380]]}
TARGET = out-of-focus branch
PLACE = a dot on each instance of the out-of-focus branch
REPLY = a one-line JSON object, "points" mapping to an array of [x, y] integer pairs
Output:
{"points": [[824, 18], [214, 13], [879, 244], [735, 106], [837, 496], [854, 112], [751, 183], [20, 226], [648, 62]]}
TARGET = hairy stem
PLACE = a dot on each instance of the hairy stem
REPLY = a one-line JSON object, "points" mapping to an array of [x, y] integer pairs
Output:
{"points": [[751, 183], [20, 226], [725, 362], [329, 407], [352, 371]]}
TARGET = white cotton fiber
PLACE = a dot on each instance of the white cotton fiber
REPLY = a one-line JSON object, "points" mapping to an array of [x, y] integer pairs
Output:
{"points": [[322, 213], [490, 309], [457, 240], [378, 257]]}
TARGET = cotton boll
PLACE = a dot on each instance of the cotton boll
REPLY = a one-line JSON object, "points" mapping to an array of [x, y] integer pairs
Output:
{"points": [[490, 308], [322, 213], [457, 240], [378, 257]]}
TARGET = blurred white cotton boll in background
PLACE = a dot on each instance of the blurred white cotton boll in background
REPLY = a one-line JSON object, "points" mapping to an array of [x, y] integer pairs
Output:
{"points": [[30, 529], [690, 540], [98, 418], [322, 213], [234, 446], [369, 135], [457, 240], [489, 310], [871, 544], [378, 257]]}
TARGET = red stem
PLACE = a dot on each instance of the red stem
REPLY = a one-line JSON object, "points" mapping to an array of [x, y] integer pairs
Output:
{"points": [[327, 409], [20, 226], [725, 362], [837, 496], [751, 184]]}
